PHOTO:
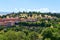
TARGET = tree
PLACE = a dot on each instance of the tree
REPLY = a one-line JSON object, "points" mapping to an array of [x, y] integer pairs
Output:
{"points": [[43, 24], [47, 33], [20, 35], [10, 35], [33, 36]]}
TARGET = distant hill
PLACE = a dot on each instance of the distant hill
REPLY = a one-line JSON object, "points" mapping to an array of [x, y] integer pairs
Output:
{"points": [[4, 13]]}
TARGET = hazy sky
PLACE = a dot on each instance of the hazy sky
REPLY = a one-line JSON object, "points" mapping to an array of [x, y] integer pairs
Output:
{"points": [[30, 5]]}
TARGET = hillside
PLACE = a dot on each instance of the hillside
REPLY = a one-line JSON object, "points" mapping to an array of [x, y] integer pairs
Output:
{"points": [[30, 26]]}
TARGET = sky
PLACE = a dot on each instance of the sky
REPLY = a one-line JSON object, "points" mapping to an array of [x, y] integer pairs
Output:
{"points": [[30, 5]]}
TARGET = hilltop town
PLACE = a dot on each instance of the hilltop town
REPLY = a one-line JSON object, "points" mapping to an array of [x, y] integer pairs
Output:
{"points": [[11, 19]]}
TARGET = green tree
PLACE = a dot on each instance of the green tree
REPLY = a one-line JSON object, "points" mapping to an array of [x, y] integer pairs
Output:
{"points": [[33, 36], [20, 35], [10, 35], [47, 33]]}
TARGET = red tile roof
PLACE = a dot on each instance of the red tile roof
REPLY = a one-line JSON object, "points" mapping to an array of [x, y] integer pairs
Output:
{"points": [[6, 20]]}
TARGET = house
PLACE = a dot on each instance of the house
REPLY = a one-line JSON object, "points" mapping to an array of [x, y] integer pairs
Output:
{"points": [[31, 19], [23, 15]]}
